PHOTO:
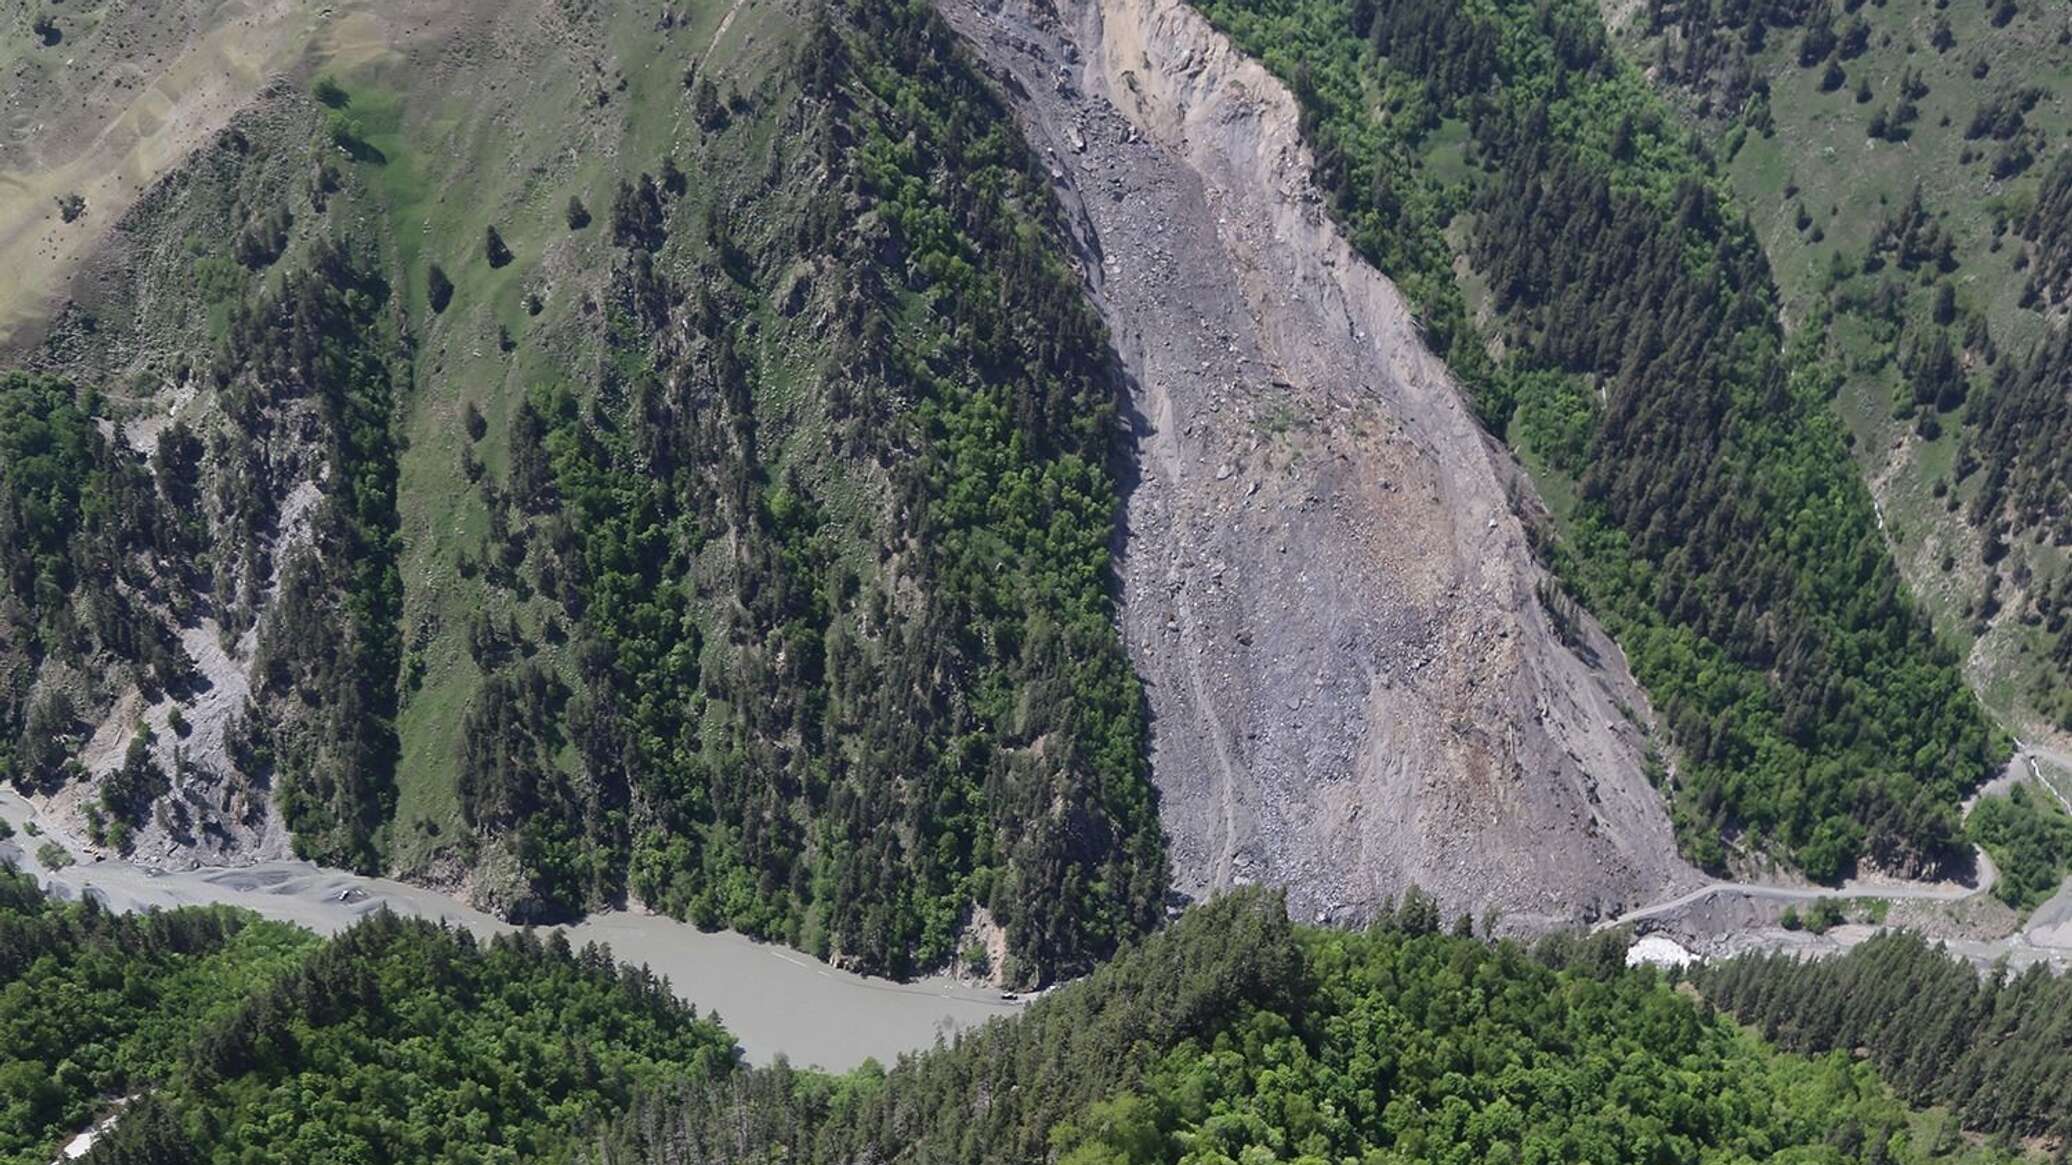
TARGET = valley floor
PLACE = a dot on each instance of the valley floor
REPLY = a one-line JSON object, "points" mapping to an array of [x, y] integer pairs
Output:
{"points": [[776, 1001]]}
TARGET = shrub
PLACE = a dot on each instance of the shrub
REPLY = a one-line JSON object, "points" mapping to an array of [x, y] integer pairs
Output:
{"points": [[438, 288], [493, 247], [327, 90]]}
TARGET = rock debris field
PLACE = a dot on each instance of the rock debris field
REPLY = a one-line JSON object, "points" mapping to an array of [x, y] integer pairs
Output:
{"points": [[1326, 584]]}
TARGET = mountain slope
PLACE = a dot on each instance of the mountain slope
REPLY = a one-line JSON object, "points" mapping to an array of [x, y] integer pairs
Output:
{"points": [[1623, 331], [706, 504], [1354, 683], [1898, 162], [736, 540], [1235, 1037]]}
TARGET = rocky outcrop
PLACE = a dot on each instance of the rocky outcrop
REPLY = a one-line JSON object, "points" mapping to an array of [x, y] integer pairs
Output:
{"points": [[1326, 581]]}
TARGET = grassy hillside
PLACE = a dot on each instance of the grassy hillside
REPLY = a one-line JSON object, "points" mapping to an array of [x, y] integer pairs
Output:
{"points": [[1896, 161], [1579, 260], [625, 460], [786, 607]]}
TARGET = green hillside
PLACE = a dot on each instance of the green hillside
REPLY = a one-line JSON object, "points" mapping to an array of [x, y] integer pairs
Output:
{"points": [[667, 457], [95, 1006], [1903, 165], [1231, 1036], [219, 1037], [1235, 1037], [1990, 1048], [684, 480]]}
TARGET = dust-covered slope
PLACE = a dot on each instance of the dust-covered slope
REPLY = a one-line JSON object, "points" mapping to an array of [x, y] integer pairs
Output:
{"points": [[1353, 681]]}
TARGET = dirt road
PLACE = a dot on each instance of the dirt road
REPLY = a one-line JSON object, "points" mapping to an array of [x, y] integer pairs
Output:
{"points": [[1891, 891]]}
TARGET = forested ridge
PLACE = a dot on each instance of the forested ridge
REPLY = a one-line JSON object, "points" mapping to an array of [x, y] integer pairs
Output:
{"points": [[326, 667], [1719, 529], [2019, 442], [111, 553], [1234, 1036], [2048, 228], [844, 659], [76, 514], [1992, 1047], [781, 598], [96, 1006], [1955, 309], [2022, 426], [221, 1037]]}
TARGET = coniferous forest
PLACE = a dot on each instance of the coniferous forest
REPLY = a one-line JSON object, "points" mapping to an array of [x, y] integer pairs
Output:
{"points": [[1232, 1035], [1990, 1048], [788, 607], [1235, 1037], [1967, 325], [838, 677], [225, 1038]]}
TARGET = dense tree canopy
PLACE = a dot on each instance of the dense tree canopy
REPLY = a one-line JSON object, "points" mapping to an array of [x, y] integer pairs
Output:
{"points": [[1991, 1048], [400, 1040], [2030, 839], [76, 513], [1231, 1036], [326, 668], [1236, 1037], [844, 659], [95, 1006]]}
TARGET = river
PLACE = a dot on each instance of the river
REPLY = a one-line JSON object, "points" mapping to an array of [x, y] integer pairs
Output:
{"points": [[775, 1001]]}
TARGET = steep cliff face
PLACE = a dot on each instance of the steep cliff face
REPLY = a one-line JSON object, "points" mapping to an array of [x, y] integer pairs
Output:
{"points": [[1353, 680]]}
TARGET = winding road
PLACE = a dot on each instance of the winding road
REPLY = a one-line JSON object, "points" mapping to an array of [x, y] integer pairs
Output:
{"points": [[2045, 935], [1891, 891]]}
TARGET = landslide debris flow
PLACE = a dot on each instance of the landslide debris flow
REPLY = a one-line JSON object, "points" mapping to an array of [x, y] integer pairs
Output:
{"points": [[1326, 581]]}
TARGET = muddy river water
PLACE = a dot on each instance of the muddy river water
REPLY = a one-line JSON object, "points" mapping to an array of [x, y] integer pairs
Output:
{"points": [[774, 1000]]}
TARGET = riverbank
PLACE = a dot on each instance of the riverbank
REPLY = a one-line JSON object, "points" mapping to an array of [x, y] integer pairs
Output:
{"points": [[775, 1001]]}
